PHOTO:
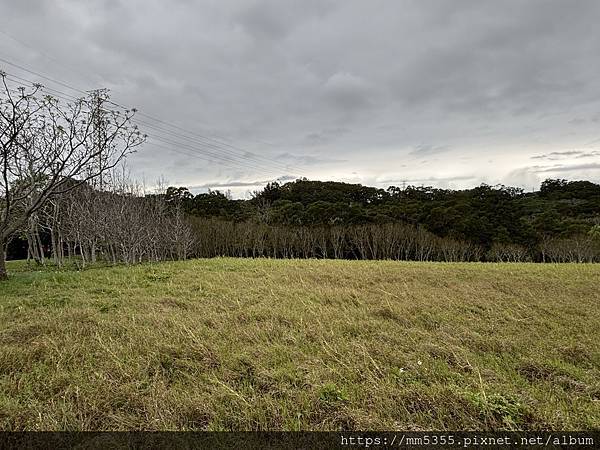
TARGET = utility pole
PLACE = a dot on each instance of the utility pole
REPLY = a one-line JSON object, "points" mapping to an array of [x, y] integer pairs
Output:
{"points": [[99, 97]]}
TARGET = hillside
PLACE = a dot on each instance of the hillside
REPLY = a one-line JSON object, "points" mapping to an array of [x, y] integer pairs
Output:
{"points": [[314, 219], [301, 344], [483, 214]]}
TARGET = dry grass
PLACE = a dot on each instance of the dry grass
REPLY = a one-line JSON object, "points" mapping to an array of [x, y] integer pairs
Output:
{"points": [[229, 344]]}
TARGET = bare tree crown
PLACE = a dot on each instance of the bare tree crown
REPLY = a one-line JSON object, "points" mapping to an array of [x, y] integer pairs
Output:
{"points": [[48, 148]]}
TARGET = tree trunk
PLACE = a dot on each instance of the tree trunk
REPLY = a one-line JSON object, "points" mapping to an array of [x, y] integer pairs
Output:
{"points": [[3, 274]]}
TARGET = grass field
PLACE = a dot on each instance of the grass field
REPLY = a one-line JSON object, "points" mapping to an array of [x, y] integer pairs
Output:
{"points": [[247, 344]]}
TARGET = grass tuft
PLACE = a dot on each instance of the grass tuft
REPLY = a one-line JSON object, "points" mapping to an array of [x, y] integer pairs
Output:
{"points": [[242, 344]]}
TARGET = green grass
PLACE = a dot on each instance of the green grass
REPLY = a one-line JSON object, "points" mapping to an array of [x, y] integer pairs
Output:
{"points": [[230, 344]]}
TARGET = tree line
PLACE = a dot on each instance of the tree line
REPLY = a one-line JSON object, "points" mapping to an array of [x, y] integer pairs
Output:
{"points": [[303, 218], [394, 241], [62, 199], [124, 224], [118, 224]]}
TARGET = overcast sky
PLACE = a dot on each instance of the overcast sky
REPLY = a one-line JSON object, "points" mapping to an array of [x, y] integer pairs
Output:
{"points": [[443, 93]]}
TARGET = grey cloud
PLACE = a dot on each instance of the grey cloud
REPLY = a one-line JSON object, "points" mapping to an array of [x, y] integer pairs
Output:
{"points": [[237, 183], [428, 149], [307, 160], [568, 168], [347, 91], [434, 180], [489, 80], [325, 136], [592, 154], [559, 155], [275, 19], [524, 177], [577, 154], [263, 20]]}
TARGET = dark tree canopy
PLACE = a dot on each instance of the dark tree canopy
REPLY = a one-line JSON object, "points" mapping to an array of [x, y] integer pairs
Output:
{"points": [[313, 219], [484, 215]]}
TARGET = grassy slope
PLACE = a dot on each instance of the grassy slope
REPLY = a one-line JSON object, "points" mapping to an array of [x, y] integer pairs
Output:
{"points": [[265, 344]]}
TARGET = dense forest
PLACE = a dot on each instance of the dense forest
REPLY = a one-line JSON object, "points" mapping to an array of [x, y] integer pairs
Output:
{"points": [[314, 219]]}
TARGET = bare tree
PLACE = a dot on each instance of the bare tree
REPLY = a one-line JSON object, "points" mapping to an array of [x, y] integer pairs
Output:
{"points": [[48, 148], [508, 253]]}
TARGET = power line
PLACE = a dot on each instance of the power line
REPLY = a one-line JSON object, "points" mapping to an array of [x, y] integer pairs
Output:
{"points": [[214, 143], [237, 161], [208, 138], [202, 158], [205, 158], [242, 164], [209, 145], [42, 76], [243, 158], [160, 134], [60, 94], [87, 74]]}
